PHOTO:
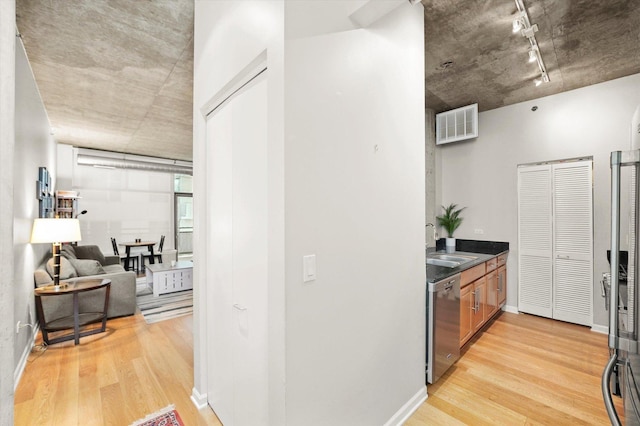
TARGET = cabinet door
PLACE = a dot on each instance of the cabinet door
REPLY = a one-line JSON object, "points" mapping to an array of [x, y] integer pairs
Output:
{"points": [[479, 299], [492, 293], [502, 285], [466, 303]]}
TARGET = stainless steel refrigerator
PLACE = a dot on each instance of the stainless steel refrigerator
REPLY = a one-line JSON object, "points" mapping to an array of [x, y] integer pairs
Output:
{"points": [[621, 376]]}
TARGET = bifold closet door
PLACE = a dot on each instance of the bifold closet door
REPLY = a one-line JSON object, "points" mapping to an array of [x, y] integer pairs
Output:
{"points": [[573, 242], [555, 241], [535, 240]]}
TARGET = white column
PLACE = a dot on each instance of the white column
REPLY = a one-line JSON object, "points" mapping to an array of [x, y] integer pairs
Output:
{"points": [[7, 138]]}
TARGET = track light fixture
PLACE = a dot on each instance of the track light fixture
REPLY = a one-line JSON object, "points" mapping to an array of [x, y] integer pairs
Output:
{"points": [[522, 24], [517, 25]]}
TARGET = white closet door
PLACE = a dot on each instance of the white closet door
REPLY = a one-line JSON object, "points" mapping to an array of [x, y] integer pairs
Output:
{"points": [[237, 256], [573, 242], [535, 243]]}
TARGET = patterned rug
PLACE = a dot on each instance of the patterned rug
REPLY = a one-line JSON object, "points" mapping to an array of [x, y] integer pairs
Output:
{"points": [[163, 307], [168, 416]]}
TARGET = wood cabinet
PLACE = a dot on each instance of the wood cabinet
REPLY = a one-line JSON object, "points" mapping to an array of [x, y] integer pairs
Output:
{"points": [[483, 290], [466, 302], [479, 299], [473, 308], [492, 293], [502, 285]]}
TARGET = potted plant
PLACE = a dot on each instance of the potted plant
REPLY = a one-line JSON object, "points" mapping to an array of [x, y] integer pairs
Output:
{"points": [[450, 221]]}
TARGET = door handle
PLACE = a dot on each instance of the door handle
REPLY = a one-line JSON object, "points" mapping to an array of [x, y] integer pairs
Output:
{"points": [[239, 307]]}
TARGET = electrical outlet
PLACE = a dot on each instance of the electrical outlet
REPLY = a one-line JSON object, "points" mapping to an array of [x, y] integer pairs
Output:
{"points": [[18, 327], [478, 231]]}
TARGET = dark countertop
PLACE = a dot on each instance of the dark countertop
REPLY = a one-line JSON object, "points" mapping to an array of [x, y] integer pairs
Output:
{"points": [[483, 250]]}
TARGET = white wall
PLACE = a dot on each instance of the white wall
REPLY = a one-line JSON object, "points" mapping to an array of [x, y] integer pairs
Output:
{"points": [[120, 203], [481, 174], [34, 148], [354, 120], [346, 152], [228, 36], [7, 147]]}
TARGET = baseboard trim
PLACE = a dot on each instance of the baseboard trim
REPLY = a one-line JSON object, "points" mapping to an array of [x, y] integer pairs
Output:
{"points": [[511, 309], [22, 364], [198, 399], [604, 329], [403, 414]]}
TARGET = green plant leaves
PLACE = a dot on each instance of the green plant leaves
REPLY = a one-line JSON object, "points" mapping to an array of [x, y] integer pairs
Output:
{"points": [[451, 219]]}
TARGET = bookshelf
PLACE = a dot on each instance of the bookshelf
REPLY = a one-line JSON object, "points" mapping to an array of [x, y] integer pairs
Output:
{"points": [[66, 204]]}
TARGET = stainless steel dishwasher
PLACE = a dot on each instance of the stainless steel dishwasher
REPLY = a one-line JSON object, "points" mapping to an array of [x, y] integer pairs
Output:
{"points": [[443, 326]]}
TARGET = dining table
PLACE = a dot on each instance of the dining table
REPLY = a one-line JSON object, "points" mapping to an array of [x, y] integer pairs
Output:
{"points": [[129, 244]]}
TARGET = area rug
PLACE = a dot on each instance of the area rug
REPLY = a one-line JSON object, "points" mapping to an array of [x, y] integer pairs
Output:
{"points": [[165, 306], [168, 416]]}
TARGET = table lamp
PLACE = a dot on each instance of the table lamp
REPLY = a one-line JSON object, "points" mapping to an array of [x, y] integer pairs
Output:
{"points": [[55, 231]]}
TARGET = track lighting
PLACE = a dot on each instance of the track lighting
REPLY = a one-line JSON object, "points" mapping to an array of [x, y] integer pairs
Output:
{"points": [[517, 25], [522, 24]]}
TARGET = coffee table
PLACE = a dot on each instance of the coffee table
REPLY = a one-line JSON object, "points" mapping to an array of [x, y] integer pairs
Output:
{"points": [[168, 278]]}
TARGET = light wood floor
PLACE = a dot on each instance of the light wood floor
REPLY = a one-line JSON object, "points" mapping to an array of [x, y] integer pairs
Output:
{"points": [[112, 378], [523, 370]]}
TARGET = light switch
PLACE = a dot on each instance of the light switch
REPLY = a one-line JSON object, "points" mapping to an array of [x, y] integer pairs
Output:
{"points": [[308, 268]]}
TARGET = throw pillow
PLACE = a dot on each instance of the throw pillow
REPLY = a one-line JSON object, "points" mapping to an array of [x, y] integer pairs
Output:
{"points": [[68, 252], [66, 269], [41, 277], [86, 267], [90, 252]]}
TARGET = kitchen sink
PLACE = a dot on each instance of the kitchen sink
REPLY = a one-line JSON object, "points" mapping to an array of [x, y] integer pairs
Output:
{"points": [[452, 257], [440, 262], [448, 260]]}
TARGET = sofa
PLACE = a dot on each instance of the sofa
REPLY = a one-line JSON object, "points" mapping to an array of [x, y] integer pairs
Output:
{"points": [[88, 262]]}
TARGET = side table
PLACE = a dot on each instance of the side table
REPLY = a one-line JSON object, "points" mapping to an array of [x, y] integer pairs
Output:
{"points": [[78, 319]]}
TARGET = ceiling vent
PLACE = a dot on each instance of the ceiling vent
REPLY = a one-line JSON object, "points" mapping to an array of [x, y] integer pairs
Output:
{"points": [[457, 125]]}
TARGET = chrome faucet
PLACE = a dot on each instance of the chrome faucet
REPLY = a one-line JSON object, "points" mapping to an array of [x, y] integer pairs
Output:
{"points": [[435, 235]]}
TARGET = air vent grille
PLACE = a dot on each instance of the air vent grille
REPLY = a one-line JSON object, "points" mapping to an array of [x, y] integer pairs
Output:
{"points": [[457, 125]]}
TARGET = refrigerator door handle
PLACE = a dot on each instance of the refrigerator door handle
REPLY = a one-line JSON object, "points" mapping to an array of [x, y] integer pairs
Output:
{"points": [[606, 390], [616, 157]]}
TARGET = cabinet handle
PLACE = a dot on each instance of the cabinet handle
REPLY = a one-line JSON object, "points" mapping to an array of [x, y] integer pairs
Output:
{"points": [[240, 308], [500, 283]]}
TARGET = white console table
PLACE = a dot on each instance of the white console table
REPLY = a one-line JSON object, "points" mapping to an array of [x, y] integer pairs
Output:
{"points": [[168, 279]]}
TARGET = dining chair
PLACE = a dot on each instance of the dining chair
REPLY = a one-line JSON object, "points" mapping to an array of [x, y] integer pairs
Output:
{"points": [[128, 262], [156, 254]]}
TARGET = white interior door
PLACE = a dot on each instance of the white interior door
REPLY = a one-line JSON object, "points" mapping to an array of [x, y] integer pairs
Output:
{"points": [[237, 263], [535, 242], [573, 242]]}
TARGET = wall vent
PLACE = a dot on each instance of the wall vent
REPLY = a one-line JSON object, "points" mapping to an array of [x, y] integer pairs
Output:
{"points": [[457, 125]]}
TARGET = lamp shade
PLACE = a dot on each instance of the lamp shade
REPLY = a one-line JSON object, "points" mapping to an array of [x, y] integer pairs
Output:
{"points": [[55, 231]]}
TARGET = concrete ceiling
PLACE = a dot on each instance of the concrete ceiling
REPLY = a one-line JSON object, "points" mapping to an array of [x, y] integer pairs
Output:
{"points": [[114, 75], [582, 42], [118, 75]]}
